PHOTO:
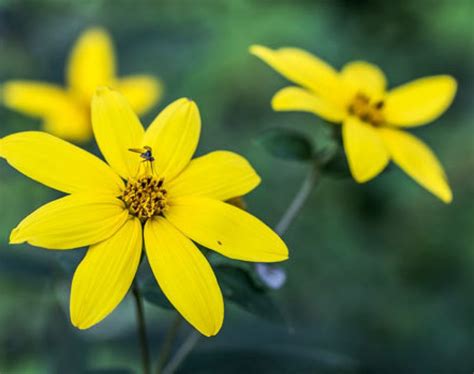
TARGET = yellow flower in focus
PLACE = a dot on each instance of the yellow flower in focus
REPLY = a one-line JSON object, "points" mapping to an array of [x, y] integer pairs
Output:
{"points": [[174, 200], [373, 119], [66, 111]]}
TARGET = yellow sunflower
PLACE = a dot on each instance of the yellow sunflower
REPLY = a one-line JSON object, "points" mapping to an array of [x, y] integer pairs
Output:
{"points": [[65, 112], [174, 200], [373, 119]]}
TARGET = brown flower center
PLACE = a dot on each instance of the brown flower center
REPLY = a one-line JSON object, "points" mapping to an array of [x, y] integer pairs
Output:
{"points": [[145, 197], [367, 111]]}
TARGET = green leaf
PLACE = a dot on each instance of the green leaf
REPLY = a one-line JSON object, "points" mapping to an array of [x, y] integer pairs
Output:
{"points": [[239, 287], [217, 260], [287, 144]]}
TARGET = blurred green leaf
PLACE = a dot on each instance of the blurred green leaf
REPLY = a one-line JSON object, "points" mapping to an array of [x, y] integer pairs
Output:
{"points": [[238, 287], [217, 260], [287, 144]]}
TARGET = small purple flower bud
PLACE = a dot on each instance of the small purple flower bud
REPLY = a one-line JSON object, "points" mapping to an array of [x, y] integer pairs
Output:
{"points": [[272, 276]]}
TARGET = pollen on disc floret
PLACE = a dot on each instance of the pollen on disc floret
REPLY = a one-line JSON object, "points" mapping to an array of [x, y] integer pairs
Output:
{"points": [[145, 197], [368, 111]]}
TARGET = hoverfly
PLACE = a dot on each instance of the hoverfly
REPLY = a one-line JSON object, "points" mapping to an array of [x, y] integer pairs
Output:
{"points": [[145, 153]]}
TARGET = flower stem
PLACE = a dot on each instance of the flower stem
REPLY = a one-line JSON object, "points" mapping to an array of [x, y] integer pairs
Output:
{"points": [[183, 351], [298, 201], [167, 344], [141, 328]]}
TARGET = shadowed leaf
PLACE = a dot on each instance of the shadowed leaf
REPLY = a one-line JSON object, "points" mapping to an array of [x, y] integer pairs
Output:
{"points": [[238, 287], [287, 144]]}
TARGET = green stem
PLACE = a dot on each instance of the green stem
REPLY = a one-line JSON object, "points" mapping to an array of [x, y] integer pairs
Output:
{"points": [[141, 328], [298, 201], [183, 351], [167, 344]]}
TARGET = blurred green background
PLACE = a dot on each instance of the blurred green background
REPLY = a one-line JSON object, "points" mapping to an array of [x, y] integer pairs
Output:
{"points": [[380, 277]]}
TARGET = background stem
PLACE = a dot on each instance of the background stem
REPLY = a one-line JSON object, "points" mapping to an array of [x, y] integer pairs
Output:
{"points": [[183, 351], [141, 328], [298, 201], [167, 344]]}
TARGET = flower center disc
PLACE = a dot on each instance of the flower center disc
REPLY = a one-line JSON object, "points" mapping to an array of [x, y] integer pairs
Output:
{"points": [[367, 111], [145, 197]]}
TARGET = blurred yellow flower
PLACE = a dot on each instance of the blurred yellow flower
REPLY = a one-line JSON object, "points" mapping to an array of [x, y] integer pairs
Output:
{"points": [[161, 191], [372, 118], [66, 111]]}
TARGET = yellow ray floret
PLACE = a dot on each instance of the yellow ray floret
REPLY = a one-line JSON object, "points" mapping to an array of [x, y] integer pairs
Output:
{"points": [[65, 111], [357, 98], [158, 191]]}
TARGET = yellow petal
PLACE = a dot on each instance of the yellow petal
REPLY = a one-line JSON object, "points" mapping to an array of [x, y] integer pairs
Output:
{"points": [[37, 99], [366, 153], [299, 99], [91, 63], [77, 129], [105, 275], [116, 129], [58, 164], [420, 101], [141, 91], [301, 67], [71, 222], [185, 276], [63, 116], [226, 229], [173, 137], [220, 175], [364, 77], [418, 161]]}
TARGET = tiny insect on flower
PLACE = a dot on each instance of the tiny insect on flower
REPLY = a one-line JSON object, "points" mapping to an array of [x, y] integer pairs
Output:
{"points": [[65, 112], [145, 153], [150, 188], [372, 118]]}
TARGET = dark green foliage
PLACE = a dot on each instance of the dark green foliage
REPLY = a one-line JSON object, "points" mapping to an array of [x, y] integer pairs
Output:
{"points": [[239, 287], [287, 144]]}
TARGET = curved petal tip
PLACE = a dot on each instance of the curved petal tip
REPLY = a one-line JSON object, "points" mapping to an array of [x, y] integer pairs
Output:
{"points": [[15, 237], [257, 49]]}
